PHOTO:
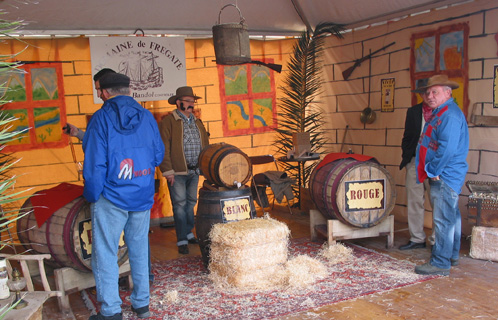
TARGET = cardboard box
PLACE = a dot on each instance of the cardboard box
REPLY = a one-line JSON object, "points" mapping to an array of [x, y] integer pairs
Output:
{"points": [[302, 144]]}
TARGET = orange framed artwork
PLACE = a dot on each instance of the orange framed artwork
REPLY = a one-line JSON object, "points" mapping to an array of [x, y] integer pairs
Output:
{"points": [[248, 99], [36, 96], [442, 51]]}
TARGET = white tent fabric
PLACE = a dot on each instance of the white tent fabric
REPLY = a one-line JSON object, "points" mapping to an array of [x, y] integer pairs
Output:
{"points": [[195, 18]]}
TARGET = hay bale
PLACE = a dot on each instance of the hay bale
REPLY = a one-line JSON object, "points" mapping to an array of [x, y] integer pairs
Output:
{"points": [[249, 257], [484, 243], [248, 254], [249, 232]]}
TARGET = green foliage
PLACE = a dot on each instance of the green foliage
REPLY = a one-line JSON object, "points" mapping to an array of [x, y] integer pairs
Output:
{"points": [[8, 195], [298, 111]]}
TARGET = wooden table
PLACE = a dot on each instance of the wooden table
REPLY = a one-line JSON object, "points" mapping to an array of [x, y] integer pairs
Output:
{"points": [[300, 168]]}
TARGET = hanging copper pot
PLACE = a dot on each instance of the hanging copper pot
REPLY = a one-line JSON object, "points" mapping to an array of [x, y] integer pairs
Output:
{"points": [[368, 115]]}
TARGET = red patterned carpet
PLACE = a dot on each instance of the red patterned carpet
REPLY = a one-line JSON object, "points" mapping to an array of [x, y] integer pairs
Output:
{"points": [[369, 272]]}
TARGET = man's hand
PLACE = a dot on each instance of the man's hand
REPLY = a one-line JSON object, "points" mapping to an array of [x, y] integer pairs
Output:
{"points": [[71, 130], [171, 179]]}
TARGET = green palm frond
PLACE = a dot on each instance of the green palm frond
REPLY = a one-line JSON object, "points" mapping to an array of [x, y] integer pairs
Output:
{"points": [[297, 110], [9, 196]]}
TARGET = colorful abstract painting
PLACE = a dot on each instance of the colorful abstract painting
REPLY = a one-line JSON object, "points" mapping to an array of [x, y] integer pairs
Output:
{"points": [[451, 50], [37, 103], [442, 51], [425, 53], [248, 99]]}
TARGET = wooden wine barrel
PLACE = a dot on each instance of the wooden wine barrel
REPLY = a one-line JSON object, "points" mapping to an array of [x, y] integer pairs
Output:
{"points": [[358, 193], [66, 235], [220, 207], [224, 165]]}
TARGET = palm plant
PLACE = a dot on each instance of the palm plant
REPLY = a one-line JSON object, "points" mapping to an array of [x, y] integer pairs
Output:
{"points": [[8, 195], [298, 111]]}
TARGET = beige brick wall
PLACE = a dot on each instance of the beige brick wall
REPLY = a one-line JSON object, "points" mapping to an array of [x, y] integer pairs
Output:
{"points": [[382, 139]]}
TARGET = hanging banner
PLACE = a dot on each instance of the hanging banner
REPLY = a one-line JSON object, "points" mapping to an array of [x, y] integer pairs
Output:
{"points": [[387, 95], [155, 65]]}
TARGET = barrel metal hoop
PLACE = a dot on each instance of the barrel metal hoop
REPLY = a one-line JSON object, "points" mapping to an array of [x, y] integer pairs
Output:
{"points": [[68, 233], [336, 183]]}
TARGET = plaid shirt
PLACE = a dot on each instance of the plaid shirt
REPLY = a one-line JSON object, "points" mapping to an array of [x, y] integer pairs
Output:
{"points": [[191, 141]]}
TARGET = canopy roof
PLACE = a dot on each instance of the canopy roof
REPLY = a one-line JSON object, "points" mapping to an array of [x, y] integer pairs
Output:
{"points": [[195, 18]]}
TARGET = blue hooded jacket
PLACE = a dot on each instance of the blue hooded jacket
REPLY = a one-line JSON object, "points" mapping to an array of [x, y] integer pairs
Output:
{"points": [[122, 147]]}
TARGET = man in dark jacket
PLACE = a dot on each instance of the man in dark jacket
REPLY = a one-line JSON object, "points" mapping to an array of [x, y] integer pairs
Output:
{"points": [[122, 148], [416, 117]]}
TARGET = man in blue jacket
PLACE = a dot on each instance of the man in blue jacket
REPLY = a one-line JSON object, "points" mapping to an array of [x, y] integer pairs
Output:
{"points": [[122, 147], [442, 157]]}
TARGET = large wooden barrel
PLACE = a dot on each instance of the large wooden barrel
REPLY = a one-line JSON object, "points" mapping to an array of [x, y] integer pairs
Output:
{"points": [[220, 207], [358, 193], [225, 165], [66, 235]]}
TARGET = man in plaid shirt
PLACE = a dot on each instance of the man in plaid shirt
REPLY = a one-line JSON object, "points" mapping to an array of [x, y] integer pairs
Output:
{"points": [[184, 137]]}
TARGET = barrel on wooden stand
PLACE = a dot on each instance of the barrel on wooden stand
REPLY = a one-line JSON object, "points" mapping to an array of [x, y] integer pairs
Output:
{"points": [[225, 165], [66, 235], [217, 206], [357, 193]]}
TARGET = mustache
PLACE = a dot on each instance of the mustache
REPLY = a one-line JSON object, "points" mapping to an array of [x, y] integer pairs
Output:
{"points": [[190, 107]]}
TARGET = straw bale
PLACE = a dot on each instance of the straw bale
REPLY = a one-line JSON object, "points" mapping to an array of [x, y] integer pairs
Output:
{"points": [[250, 257], [336, 254], [302, 271], [258, 279], [249, 232]]}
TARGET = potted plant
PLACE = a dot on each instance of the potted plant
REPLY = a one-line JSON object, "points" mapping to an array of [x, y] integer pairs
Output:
{"points": [[298, 111]]}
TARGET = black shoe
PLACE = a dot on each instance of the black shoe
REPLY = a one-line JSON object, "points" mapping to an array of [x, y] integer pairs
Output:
{"points": [[98, 316], [142, 312], [454, 262], [193, 241], [428, 268], [183, 249], [412, 245]]}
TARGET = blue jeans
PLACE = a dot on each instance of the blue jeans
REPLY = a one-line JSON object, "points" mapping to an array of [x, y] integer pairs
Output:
{"points": [[183, 194], [108, 222], [448, 224]]}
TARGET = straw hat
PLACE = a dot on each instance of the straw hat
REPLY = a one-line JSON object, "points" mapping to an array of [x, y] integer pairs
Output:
{"points": [[183, 92], [437, 80]]}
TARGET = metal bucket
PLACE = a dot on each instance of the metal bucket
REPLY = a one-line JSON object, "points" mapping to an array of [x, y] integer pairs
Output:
{"points": [[231, 41]]}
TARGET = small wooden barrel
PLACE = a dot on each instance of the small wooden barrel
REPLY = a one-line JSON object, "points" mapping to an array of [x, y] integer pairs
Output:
{"points": [[224, 165], [220, 207], [358, 193], [66, 235]]}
